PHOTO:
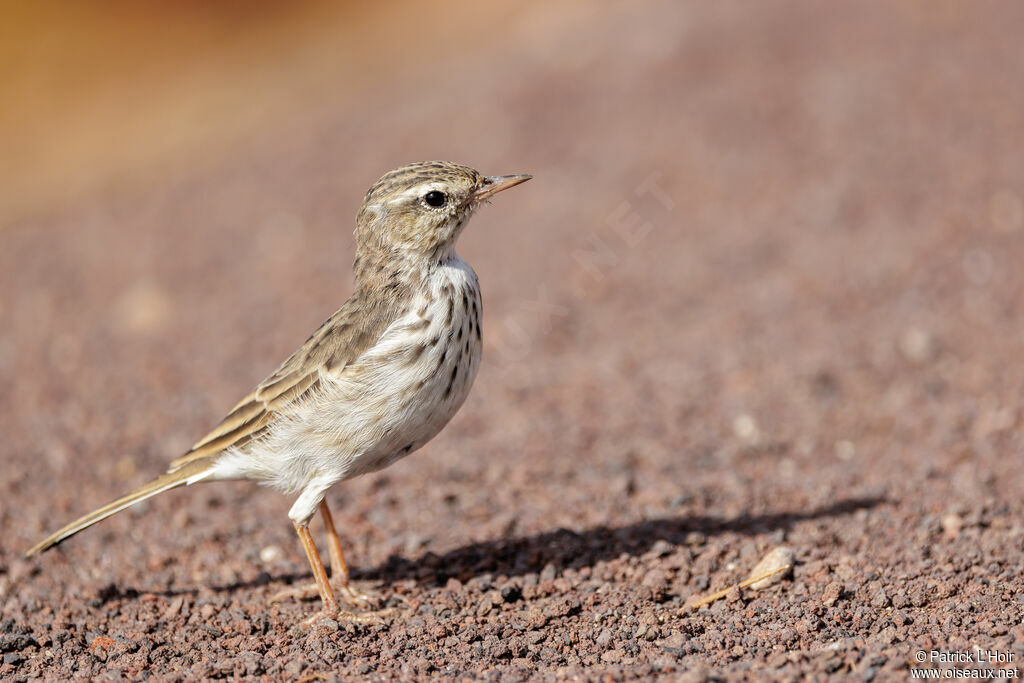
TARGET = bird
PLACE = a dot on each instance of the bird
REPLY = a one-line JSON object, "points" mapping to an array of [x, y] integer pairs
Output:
{"points": [[375, 382]]}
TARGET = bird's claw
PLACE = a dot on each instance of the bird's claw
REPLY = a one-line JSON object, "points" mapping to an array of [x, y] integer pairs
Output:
{"points": [[304, 592], [375, 618], [348, 594]]}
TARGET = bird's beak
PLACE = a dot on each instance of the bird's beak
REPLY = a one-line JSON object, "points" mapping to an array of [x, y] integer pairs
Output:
{"points": [[493, 184]]}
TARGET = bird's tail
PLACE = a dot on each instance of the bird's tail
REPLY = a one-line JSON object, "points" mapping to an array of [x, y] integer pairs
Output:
{"points": [[187, 474]]}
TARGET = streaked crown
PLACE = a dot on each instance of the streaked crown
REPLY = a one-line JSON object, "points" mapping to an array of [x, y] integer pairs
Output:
{"points": [[420, 209]]}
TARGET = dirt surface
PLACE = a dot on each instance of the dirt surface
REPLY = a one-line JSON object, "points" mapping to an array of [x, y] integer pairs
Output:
{"points": [[765, 290]]}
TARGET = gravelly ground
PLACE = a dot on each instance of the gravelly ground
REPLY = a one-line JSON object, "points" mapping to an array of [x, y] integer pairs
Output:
{"points": [[764, 290]]}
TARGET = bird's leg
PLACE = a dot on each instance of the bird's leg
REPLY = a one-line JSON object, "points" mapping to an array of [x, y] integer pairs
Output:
{"points": [[330, 608], [339, 571], [339, 568], [322, 585], [319, 573]]}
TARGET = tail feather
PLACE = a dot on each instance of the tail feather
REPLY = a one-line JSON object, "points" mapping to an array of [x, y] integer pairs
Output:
{"points": [[188, 474]]}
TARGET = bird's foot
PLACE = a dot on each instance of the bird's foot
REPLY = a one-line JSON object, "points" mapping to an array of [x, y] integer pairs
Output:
{"points": [[346, 592], [373, 618], [305, 592], [353, 596]]}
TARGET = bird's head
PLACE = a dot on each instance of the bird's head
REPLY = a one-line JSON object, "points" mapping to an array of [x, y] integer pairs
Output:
{"points": [[418, 210]]}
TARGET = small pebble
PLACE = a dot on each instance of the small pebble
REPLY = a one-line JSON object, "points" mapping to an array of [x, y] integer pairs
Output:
{"points": [[327, 623], [952, 523], [845, 450], [832, 593], [511, 593], [175, 607], [271, 554], [916, 345], [781, 556], [745, 428]]}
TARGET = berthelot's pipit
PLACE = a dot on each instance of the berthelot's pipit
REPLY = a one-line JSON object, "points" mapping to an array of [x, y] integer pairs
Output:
{"points": [[376, 381]]}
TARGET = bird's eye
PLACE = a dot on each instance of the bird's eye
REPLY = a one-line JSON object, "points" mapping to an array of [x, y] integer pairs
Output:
{"points": [[435, 198]]}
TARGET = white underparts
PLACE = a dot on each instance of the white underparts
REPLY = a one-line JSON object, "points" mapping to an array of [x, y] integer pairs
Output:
{"points": [[386, 404]]}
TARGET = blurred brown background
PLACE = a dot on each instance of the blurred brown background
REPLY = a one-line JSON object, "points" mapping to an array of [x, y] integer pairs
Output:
{"points": [[764, 289], [94, 97]]}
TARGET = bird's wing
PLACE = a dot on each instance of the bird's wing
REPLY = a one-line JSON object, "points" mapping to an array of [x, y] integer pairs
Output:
{"points": [[339, 341]]}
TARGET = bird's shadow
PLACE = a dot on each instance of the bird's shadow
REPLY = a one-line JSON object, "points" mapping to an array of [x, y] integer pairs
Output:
{"points": [[562, 548]]}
